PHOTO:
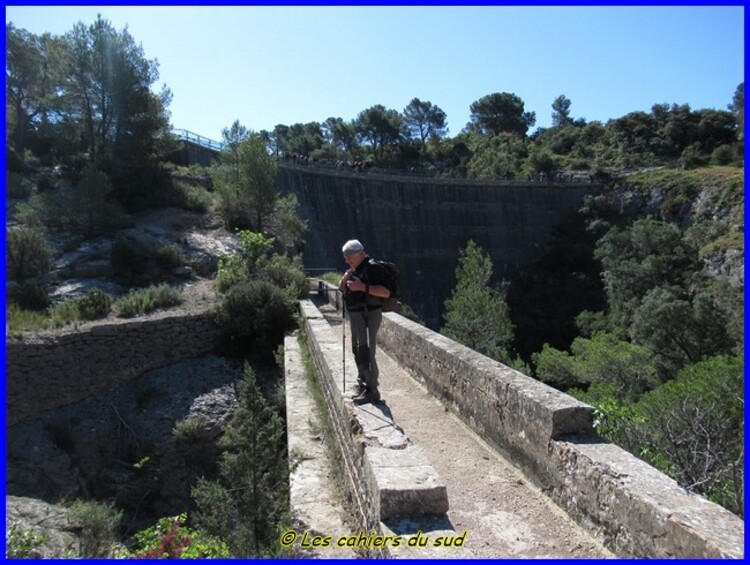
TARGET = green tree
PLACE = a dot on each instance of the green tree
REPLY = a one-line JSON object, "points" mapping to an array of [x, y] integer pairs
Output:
{"points": [[26, 81], [425, 120], [499, 156], [248, 505], [633, 136], [476, 314], [500, 112], [603, 359], [561, 112], [279, 137], [380, 128], [304, 139], [695, 427], [640, 257], [341, 135], [680, 331], [245, 180], [108, 84], [96, 213], [738, 107]]}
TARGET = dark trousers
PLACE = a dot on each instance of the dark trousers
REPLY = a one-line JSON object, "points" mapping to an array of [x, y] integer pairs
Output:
{"points": [[365, 328]]}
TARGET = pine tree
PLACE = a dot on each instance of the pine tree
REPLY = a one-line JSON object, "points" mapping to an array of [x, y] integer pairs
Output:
{"points": [[249, 504], [477, 314]]}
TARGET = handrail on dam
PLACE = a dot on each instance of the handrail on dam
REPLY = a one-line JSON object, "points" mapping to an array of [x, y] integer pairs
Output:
{"points": [[377, 173], [197, 139], [633, 508]]}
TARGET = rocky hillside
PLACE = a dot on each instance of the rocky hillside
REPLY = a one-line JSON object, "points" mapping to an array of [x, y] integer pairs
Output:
{"points": [[708, 203]]}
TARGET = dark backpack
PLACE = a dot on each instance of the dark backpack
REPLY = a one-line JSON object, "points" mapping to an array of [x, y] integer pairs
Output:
{"points": [[391, 275]]}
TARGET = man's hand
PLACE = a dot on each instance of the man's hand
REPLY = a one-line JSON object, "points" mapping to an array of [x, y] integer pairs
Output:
{"points": [[355, 284]]}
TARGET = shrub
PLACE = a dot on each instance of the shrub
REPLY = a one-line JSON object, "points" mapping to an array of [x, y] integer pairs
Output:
{"points": [[19, 319], [331, 277], [15, 187], [723, 155], [29, 295], [287, 273], [695, 428], [241, 266], [191, 197], [64, 312], [97, 523], [188, 430], [137, 261], [96, 304], [22, 543], [253, 317], [171, 538], [139, 302], [27, 255]]}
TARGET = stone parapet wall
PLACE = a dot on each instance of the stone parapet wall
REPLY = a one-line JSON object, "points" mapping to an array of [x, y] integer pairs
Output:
{"points": [[635, 509], [48, 371]]}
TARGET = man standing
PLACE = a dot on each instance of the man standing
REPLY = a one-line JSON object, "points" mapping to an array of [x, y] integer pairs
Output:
{"points": [[363, 287]]}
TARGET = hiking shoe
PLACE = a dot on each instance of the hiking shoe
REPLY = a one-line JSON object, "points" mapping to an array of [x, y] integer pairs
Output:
{"points": [[359, 390], [367, 397]]}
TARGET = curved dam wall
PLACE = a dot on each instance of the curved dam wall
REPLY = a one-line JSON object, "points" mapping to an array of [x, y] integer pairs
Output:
{"points": [[420, 224]]}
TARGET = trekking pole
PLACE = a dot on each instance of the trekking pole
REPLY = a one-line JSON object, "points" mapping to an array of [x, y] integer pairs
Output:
{"points": [[343, 344]]}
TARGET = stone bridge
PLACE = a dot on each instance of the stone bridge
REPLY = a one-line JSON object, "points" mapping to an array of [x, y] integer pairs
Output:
{"points": [[464, 450], [465, 444]]}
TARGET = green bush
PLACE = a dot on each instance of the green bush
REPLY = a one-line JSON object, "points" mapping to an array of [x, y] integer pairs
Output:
{"points": [[191, 197], [170, 538], [21, 544], [26, 254], [695, 425], [244, 265], [29, 295], [286, 273], [97, 523], [96, 304], [723, 155], [331, 277], [188, 430], [140, 302], [253, 316], [20, 319], [15, 188], [137, 262]]}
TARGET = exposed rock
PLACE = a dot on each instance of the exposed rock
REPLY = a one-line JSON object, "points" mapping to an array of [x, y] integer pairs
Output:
{"points": [[123, 447], [48, 522]]}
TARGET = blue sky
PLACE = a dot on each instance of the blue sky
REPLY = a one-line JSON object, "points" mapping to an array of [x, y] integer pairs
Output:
{"points": [[270, 65]]}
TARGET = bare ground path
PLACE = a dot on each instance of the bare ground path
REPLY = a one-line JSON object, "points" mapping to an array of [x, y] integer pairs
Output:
{"points": [[504, 515]]}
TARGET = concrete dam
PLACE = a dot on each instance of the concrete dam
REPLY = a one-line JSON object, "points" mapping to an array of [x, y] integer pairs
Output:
{"points": [[421, 223]]}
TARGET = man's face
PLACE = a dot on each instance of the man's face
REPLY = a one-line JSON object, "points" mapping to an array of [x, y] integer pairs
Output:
{"points": [[354, 259]]}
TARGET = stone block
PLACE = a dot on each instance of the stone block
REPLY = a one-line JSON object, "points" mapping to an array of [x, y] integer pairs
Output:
{"points": [[406, 482]]}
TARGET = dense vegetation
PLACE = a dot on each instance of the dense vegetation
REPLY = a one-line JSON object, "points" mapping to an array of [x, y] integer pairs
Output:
{"points": [[636, 309], [640, 315]]}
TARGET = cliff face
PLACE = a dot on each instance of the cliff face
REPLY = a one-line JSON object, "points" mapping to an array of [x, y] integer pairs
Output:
{"points": [[420, 224]]}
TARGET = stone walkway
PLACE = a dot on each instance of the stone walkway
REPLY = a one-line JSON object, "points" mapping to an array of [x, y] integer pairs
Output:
{"points": [[502, 513]]}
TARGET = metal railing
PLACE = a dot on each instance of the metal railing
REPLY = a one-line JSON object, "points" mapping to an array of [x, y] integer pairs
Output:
{"points": [[196, 139]]}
